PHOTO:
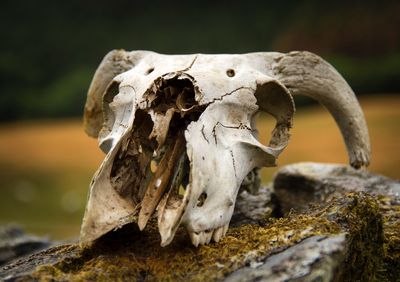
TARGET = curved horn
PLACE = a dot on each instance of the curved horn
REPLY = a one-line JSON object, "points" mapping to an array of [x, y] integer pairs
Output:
{"points": [[307, 74], [114, 63]]}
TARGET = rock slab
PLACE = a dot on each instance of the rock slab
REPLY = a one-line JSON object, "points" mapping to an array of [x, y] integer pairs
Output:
{"points": [[338, 225]]}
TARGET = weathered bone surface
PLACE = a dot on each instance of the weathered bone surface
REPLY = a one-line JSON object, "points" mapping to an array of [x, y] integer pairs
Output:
{"points": [[180, 135]]}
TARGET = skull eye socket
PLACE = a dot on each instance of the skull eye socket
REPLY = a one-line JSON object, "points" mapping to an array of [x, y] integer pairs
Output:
{"points": [[109, 115], [262, 125], [273, 98], [111, 92]]}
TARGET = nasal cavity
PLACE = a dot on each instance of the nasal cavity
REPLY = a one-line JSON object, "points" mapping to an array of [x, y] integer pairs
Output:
{"points": [[178, 94]]}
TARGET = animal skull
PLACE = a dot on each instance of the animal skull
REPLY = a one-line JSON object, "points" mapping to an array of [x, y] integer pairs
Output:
{"points": [[180, 137]]}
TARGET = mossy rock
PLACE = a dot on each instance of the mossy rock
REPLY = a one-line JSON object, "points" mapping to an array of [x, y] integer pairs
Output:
{"points": [[132, 255], [302, 184], [353, 237]]}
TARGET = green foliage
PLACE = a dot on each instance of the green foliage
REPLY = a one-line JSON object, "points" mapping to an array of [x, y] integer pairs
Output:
{"points": [[370, 75], [63, 97]]}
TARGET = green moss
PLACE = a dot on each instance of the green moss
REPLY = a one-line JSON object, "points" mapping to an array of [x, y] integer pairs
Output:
{"points": [[391, 262], [365, 223], [130, 254], [138, 255]]}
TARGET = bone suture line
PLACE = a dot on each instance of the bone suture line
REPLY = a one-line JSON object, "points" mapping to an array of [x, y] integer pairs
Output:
{"points": [[161, 179]]}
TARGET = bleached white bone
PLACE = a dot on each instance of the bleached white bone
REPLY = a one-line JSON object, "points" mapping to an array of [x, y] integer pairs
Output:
{"points": [[180, 136]]}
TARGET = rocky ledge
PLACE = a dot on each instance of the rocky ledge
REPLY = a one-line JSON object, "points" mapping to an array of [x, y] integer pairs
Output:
{"points": [[316, 222]]}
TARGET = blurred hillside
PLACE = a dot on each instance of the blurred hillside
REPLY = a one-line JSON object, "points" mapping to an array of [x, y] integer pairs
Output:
{"points": [[50, 49]]}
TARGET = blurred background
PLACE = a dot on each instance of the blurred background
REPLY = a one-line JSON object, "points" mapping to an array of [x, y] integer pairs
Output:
{"points": [[50, 49]]}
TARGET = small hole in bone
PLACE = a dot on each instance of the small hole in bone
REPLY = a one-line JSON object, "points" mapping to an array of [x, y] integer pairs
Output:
{"points": [[202, 199], [149, 71], [230, 73]]}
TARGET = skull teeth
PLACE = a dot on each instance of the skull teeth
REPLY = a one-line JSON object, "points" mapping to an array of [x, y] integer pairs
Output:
{"points": [[218, 234], [204, 237], [225, 229], [195, 238]]}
